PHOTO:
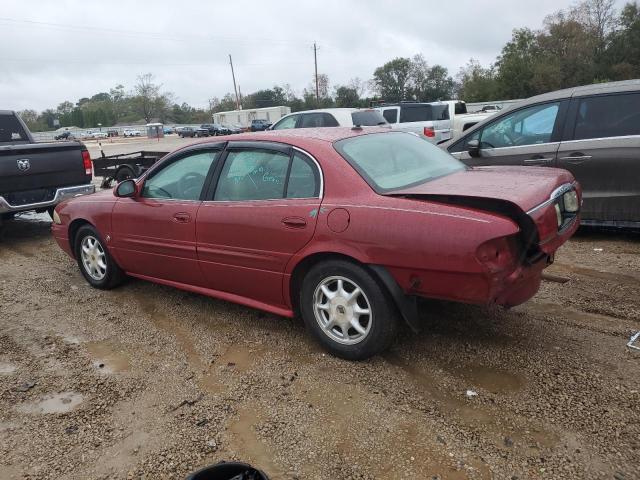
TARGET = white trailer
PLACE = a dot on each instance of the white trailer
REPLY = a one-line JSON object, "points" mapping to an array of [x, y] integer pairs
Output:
{"points": [[244, 117]]}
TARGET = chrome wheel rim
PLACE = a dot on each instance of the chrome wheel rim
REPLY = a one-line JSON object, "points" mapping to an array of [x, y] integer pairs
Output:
{"points": [[93, 258], [342, 310]]}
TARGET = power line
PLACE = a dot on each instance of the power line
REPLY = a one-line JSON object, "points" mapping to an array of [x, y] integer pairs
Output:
{"points": [[143, 34]]}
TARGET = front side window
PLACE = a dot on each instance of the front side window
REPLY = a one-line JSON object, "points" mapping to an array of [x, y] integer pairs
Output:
{"points": [[253, 175], [529, 126], [608, 116], [182, 179], [286, 122], [395, 160]]}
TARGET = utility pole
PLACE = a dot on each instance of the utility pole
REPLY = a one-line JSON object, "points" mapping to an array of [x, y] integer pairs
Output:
{"points": [[315, 59], [233, 75]]}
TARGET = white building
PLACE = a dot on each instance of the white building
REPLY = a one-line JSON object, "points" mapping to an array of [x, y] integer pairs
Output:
{"points": [[244, 117]]}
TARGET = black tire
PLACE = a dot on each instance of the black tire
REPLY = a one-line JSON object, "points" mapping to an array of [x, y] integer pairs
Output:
{"points": [[380, 325], [113, 274], [124, 173]]}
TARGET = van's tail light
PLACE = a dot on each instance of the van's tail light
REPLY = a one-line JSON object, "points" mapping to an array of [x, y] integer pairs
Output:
{"points": [[86, 161], [499, 254], [429, 132]]}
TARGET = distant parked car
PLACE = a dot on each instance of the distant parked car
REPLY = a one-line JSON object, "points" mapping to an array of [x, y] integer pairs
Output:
{"points": [[593, 131], [259, 125], [132, 133], [92, 134], [67, 135], [233, 128], [169, 130], [331, 117], [187, 132], [490, 108]]}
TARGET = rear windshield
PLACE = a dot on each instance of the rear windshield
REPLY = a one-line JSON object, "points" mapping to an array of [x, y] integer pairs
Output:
{"points": [[396, 160], [11, 130], [424, 113], [368, 118]]}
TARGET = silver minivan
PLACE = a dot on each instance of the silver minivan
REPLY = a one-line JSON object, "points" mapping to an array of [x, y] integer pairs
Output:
{"points": [[593, 131]]}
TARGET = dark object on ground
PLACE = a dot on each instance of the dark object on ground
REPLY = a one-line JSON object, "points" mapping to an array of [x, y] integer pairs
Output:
{"points": [[124, 166], [228, 471]]}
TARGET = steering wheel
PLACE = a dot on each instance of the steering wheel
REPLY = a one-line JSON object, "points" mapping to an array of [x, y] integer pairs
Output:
{"points": [[186, 185]]}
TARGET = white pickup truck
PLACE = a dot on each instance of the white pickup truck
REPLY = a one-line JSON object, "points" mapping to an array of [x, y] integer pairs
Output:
{"points": [[437, 121]]}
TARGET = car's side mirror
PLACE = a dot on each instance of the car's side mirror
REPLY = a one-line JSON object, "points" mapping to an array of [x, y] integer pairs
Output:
{"points": [[473, 147], [126, 188]]}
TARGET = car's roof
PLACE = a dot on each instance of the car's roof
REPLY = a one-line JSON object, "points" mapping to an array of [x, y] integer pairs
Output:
{"points": [[597, 88], [302, 136]]}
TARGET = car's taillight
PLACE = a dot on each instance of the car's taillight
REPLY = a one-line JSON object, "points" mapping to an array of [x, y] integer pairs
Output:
{"points": [[86, 161], [499, 254], [429, 132]]}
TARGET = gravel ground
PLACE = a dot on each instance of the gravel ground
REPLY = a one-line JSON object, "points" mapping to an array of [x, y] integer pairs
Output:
{"points": [[150, 382]]}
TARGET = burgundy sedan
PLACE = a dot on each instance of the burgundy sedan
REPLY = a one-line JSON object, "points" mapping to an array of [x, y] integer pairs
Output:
{"points": [[346, 227]]}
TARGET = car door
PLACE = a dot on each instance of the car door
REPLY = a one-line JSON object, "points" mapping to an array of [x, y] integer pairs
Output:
{"points": [[527, 136], [263, 211], [154, 233], [602, 150]]}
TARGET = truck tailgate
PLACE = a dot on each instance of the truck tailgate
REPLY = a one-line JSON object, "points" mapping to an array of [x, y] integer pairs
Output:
{"points": [[43, 166]]}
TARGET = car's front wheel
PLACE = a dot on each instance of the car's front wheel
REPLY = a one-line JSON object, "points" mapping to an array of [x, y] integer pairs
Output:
{"points": [[96, 264], [347, 310]]}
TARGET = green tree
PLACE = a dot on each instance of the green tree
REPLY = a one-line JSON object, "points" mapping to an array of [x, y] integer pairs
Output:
{"points": [[623, 51], [476, 83], [346, 97], [391, 80], [516, 65]]}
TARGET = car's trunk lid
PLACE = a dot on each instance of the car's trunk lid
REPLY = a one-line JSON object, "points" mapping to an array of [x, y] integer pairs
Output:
{"points": [[526, 187]]}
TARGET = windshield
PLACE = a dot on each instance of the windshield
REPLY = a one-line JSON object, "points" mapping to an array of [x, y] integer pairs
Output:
{"points": [[395, 160], [368, 118]]}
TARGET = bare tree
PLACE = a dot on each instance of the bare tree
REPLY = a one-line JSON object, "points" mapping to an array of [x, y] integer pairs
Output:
{"points": [[599, 16], [146, 96]]}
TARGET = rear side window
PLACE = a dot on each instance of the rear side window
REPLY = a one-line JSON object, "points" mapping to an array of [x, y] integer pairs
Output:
{"points": [[304, 181], [368, 118], [390, 115], [415, 113], [318, 119], [11, 130], [608, 116]]}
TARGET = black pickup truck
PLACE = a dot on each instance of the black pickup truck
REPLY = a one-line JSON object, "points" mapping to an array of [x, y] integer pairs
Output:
{"points": [[38, 176]]}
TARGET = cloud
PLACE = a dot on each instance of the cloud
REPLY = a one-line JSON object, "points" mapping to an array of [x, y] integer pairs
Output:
{"points": [[65, 50]]}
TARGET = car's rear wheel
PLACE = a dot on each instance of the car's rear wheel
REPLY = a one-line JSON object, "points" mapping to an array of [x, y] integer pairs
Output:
{"points": [[95, 262], [347, 310]]}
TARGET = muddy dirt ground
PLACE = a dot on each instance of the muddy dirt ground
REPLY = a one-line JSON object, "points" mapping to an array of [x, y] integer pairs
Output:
{"points": [[150, 382]]}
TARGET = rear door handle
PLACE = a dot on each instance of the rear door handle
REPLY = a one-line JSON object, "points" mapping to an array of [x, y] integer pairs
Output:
{"points": [[538, 160], [182, 217], [294, 222], [576, 157]]}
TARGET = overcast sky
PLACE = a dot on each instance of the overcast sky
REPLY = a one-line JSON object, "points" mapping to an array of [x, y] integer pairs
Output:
{"points": [[65, 50]]}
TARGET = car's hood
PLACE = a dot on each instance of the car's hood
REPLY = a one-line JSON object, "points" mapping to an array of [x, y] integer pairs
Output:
{"points": [[526, 187]]}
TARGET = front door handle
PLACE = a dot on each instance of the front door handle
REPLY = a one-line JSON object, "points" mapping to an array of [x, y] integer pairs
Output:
{"points": [[294, 222], [538, 160], [182, 217]]}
